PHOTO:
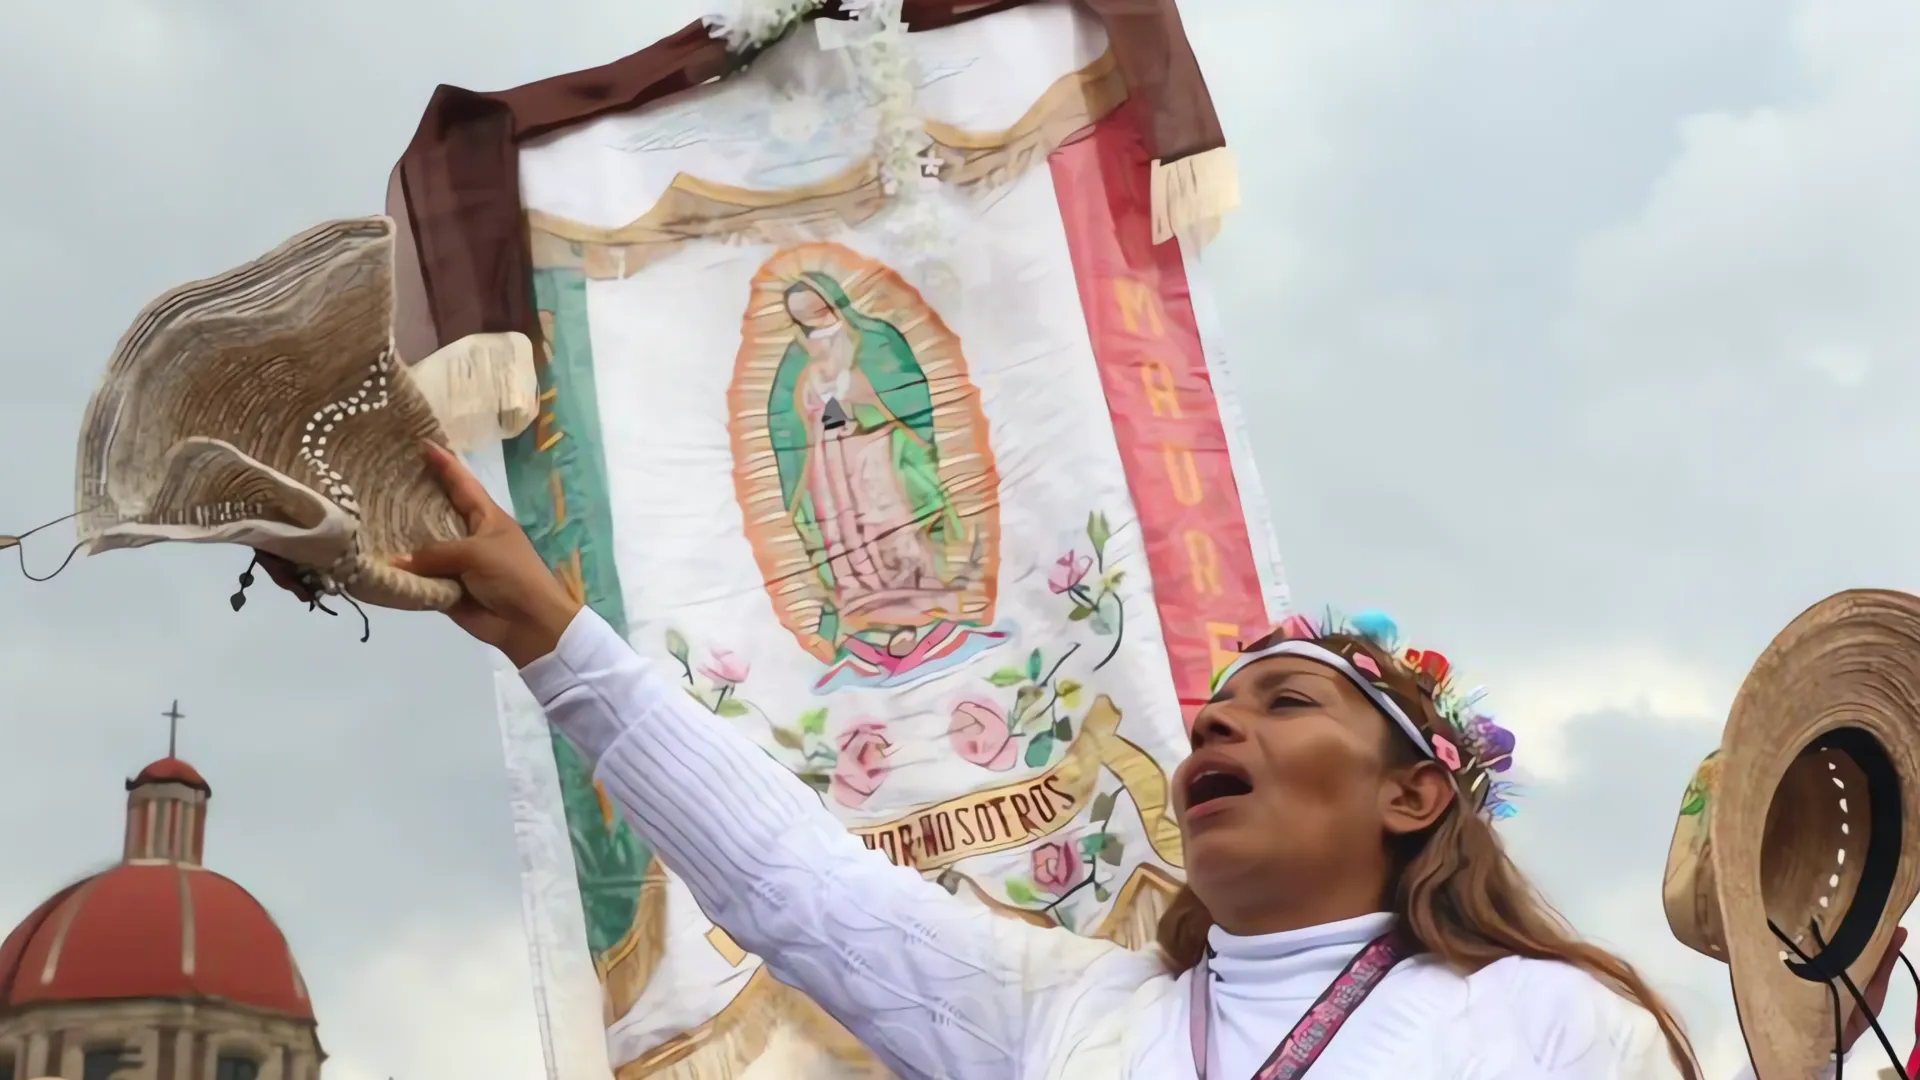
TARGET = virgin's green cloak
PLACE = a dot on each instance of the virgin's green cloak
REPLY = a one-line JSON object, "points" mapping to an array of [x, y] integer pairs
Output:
{"points": [[882, 355]]}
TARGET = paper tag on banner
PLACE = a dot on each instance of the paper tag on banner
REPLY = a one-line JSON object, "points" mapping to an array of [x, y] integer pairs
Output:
{"points": [[840, 33]]}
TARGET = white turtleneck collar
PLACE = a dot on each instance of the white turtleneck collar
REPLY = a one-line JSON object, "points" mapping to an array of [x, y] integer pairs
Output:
{"points": [[1268, 959], [1263, 984]]}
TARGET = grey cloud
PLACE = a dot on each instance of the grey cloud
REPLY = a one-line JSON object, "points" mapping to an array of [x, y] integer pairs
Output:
{"points": [[1595, 844], [1414, 314]]}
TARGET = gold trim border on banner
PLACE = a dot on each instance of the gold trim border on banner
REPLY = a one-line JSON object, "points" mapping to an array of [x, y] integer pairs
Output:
{"points": [[627, 968], [693, 208], [1148, 885], [739, 1033]]}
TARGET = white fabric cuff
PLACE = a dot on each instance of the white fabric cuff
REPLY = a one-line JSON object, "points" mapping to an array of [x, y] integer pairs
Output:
{"points": [[588, 645]]}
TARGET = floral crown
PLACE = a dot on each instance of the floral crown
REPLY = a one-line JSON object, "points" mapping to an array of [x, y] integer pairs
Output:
{"points": [[1467, 741]]}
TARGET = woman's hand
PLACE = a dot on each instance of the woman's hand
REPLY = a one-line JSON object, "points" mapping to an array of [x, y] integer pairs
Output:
{"points": [[512, 602]]}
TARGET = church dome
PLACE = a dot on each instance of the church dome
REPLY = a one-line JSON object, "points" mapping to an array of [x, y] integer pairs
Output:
{"points": [[170, 768], [152, 930], [158, 925], [157, 966]]}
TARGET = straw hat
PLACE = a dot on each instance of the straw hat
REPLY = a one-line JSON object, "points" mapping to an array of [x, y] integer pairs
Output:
{"points": [[1805, 817], [267, 407]]}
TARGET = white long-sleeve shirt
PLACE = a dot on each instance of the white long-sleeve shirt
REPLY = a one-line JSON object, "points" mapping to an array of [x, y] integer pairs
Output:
{"points": [[939, 987]]}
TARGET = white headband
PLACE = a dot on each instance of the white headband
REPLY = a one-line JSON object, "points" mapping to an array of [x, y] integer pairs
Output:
{"points": [[1307, 650]]}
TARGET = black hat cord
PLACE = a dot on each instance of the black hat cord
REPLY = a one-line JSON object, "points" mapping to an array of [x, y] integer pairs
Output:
{"points": [[1833, 992], [20, 550], [239, 598]]}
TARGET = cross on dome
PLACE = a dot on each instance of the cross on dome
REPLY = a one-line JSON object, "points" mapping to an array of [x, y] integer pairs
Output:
{"points": [[174, 716]]}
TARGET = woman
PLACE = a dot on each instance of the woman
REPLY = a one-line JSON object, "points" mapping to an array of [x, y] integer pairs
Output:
{"points": [[1339, 870]]}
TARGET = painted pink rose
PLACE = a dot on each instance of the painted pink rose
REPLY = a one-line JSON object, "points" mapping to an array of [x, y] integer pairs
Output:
{"points": [[978, 731], [1056, 867], [725, 667], [862, 766], [1071, 570]]}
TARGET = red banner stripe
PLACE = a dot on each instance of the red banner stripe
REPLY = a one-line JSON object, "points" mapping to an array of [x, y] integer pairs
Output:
{"points": [[1174, 449]]}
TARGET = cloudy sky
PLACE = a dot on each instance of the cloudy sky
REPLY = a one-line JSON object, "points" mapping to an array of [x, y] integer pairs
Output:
{"points": [[1578, 335]]}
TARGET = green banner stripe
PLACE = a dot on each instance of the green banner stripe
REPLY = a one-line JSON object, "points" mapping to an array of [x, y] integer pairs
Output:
{"points": [[557, 474]]}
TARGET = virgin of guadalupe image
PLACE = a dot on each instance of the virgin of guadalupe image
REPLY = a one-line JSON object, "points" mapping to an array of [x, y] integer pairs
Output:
{"points": [[898, 562]]}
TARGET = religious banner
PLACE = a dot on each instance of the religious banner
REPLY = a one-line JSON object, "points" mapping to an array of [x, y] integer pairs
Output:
{"points": [[880, 409]]}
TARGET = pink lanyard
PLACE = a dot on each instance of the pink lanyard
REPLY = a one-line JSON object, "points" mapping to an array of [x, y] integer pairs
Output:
{"points": [[1302, 1046]]}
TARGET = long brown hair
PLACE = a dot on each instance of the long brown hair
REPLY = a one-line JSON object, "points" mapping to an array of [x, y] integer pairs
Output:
{"points": [[1457, 892]]}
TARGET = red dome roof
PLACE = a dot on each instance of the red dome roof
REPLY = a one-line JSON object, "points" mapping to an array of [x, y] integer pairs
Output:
{"points": [[169, 770], [152, 930]]}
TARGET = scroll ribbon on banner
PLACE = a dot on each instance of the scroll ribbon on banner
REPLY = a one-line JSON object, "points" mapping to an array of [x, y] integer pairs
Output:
{"points": [[1015, 815]]}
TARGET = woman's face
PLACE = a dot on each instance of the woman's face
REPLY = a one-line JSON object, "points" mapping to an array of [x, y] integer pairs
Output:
{"points": [[809, 309], [1290, 780]]}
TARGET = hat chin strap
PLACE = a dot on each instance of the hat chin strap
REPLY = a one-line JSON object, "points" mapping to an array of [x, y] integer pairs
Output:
{"points": [[1913, 1059], [1912, 1069]]}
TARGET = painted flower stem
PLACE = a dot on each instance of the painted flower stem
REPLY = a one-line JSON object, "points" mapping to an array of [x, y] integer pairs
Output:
{"points": [[1093, 874], [1080, 593], [1119, 633], [1047, 681], [1055, 670]]}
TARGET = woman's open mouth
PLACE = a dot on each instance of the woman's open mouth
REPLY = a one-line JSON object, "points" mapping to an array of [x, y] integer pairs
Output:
{"points": [[1211, 789]]}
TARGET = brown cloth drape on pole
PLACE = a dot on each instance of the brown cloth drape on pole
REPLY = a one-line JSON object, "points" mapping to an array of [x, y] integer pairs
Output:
{"points": [[464, 261]]}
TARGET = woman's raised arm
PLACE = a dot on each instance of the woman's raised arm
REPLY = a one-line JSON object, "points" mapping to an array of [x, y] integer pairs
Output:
{"points": [[936, 986]]}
